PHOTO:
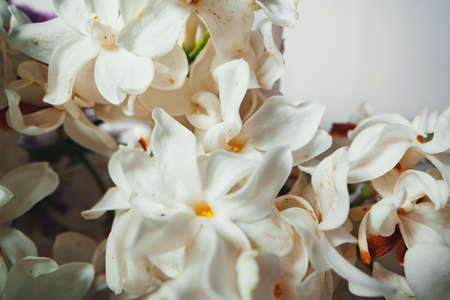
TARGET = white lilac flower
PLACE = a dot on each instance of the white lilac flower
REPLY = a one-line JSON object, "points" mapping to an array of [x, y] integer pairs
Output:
{"points": [[28, 114], [179, 200], [280, 12], [379, 143], [20, 190], [103, 31], [278, 122], [412, 216]]}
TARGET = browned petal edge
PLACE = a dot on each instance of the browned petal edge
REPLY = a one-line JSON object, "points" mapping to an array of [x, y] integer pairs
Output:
{"points": [[380, 245], [341, 129], [144, 144], [401, 251]]}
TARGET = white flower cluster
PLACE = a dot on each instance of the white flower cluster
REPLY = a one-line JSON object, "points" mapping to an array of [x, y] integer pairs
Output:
{"points": [[199, 211]]}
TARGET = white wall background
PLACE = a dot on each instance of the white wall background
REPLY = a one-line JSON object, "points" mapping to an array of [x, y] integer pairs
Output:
{"points": [[393, 54]]}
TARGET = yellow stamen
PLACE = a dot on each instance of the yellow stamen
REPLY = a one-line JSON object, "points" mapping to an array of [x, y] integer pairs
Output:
{"points": [[236, 146], [202, 209]]}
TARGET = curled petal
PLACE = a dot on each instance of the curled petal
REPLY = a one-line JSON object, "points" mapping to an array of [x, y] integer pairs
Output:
{"points": [[74, 13], [40, 122], [317, 145], [114, 199], [15, 245]]}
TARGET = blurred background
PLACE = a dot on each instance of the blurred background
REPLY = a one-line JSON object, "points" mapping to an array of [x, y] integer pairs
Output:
{"points": [[393, 55]]}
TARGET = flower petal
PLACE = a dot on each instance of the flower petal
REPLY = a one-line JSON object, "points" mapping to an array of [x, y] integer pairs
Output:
{"points": [[377, 150], [179, 164], [280, 12], [280, 122], [66, 60], [40, 122], [90, 136], [229, 23], [106, 11], [403, 290], [329, 181], [255, 200], [223, 171], [73, 247], [74, 13], [119, 72], [155, 28], [442, 162], [39, 40], [29, 184], [171, 70], [441, 135], [426, 268], [114, 199], [232, 79], [360, 283], [15, 245], [317, 145]]}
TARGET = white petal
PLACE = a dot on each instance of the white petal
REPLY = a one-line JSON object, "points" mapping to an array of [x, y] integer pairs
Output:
{"points": [[270, 235], [232, 79], [40, 122], [360, 283], [174, 149], [107, 11], [170, 70], [114, 199], [329, 181], [404, 291], [377, 150], [145, 178], [204, 110], [379, 119], [18, 17], [442, 162], [272, 66], [66, 60], [256, 198], [280, 12], [38, 40], [415, 232], [90, 136], [74, 13], [418, 184], [15, 245], [155, 29], [248, 273], [163, 230], [441, 135], [317, 145], [427, 269], [29, 184], [282, 122], [383, 215], [5, 196], [119, 72], [223, 171], [73, 247], [229, 23]]}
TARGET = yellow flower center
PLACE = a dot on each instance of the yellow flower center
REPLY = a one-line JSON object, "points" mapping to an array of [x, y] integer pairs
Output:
{"points": [[202, 209], [236, 146]]}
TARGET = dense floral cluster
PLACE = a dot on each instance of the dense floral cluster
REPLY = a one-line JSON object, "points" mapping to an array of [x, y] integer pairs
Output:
{"points": [[222, 187]]}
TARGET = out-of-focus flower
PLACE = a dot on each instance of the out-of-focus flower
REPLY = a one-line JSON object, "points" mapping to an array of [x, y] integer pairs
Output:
{"points": [[28, 114], [20, 190]]}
